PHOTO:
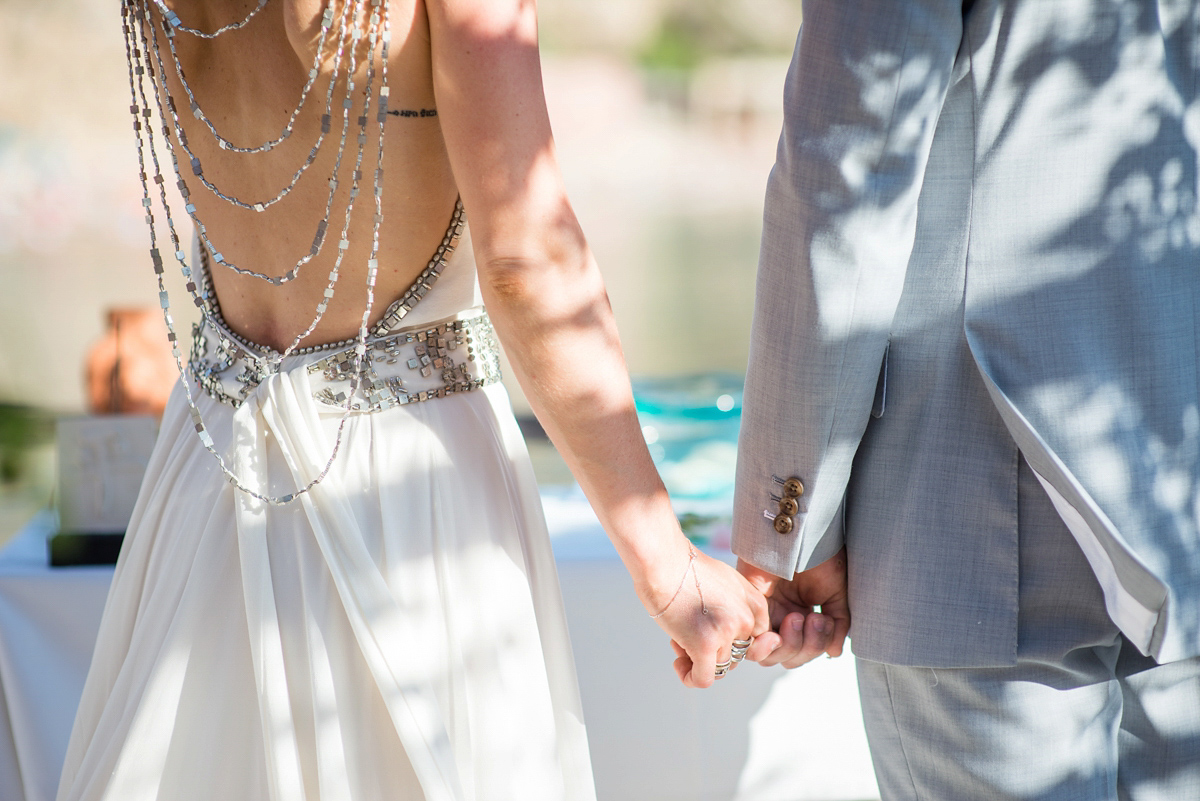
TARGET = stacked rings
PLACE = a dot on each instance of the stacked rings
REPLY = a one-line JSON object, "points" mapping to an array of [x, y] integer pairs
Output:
{"points": [[736, 654]]}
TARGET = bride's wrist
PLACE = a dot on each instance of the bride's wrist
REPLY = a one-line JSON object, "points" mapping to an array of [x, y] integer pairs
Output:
{"points": [[651, 544], [658, 569]]}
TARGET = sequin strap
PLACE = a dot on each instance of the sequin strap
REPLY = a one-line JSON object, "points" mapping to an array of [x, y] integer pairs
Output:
{"points": [[410, 365], [453, 356]]}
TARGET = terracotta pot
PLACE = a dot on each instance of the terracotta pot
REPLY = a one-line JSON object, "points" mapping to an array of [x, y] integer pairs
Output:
{"points": [[131, 369]]}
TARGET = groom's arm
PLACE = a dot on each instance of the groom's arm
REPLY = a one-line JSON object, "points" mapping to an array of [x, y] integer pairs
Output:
{"points": [[862, 98]]}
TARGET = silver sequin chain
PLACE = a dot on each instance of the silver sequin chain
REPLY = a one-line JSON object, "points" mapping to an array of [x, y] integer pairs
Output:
{"points": [[198, 112], [140, 43], [173, 19], [319, 237]]}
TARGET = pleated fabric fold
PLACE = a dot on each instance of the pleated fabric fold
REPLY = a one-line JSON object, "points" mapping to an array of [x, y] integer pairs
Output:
{"points": [[395, 633]]}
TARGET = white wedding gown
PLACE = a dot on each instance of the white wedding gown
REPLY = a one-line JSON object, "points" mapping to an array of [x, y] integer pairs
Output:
{"points": [[396, 633]]}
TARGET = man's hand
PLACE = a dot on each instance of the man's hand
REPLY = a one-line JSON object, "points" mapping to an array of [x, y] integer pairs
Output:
{"points": [[798, 633]]}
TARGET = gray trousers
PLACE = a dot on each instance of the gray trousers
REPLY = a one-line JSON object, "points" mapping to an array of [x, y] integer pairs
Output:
{"points": [[1081, 715]]}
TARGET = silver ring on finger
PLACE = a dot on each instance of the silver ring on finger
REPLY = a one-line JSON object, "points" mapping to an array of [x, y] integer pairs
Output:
{"points": [[738, 652], [722, 668]]}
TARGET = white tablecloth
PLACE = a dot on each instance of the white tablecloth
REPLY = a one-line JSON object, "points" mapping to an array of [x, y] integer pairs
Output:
{"points": [[766, 735], [48, 623]]}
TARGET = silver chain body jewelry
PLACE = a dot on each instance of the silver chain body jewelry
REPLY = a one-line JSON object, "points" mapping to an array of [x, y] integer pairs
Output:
{"points": [[173, 19], [198, 112], [147, 31], [197, 167], [141, 27], [350, 12]]}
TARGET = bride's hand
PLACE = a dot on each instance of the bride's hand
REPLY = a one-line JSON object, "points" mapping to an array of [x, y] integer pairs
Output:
{"points": [[704, 607]]}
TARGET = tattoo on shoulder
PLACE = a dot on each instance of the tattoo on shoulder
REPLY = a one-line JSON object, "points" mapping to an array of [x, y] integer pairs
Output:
{"points": [[413, 112]]}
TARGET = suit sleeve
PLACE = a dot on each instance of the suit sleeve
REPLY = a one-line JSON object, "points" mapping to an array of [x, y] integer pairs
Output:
{"points": [[861, 102]]}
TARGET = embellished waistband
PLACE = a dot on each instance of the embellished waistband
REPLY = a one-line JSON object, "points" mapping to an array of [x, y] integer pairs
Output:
{"points": [[408, 365]]}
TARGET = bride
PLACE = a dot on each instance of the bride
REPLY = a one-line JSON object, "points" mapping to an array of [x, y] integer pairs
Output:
{"points": [[337, 583]]}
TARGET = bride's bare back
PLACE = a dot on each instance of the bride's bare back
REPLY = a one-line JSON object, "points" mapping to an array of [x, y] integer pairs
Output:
{"points": [[248, 83], [543, 290]]}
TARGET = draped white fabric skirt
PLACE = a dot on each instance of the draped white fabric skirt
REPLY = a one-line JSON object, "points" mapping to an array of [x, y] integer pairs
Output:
{"points": [[396, 633]]}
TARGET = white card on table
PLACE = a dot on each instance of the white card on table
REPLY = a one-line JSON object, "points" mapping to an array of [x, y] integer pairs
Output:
{"points": [[101, 462]]}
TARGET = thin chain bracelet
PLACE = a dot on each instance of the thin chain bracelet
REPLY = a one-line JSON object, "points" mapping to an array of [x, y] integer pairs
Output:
{"points": [[691, 565]]}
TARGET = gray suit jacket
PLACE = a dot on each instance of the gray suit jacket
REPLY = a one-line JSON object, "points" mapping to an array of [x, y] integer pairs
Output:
{"points": [[980, 245]]}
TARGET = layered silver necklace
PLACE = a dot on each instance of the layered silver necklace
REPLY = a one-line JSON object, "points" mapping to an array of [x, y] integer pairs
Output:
{"points": [[150, 92]]}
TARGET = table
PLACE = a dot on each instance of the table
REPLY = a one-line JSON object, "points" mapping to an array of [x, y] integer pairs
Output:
{"points": [[766, 735], [48, 623]]}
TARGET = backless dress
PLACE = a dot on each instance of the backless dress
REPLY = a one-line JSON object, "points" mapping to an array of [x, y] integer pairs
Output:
{"points": [[395, 633]]}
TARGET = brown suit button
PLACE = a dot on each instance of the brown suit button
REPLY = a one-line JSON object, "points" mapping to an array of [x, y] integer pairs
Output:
{"points": [[788, 506], [792, 488], [783, 524]]}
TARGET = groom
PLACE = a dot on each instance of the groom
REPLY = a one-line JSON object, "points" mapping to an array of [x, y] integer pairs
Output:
{"points": [[974, 395]]}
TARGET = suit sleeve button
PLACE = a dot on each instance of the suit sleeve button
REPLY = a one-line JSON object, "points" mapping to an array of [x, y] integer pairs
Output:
{"points": [[788, 506], [783, 524], [792, 488]]}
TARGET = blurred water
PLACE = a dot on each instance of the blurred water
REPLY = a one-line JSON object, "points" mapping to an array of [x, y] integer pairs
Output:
{"points": [[691, 426], [682, 290], [671, 202], [684, 297]]}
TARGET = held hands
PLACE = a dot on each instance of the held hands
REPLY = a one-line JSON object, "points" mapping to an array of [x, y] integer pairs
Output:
{"points": [[704, 614], [799, 634], [713, 606]]}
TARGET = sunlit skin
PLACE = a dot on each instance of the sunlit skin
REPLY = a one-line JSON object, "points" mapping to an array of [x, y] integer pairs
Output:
{"points": [[476, 62], [248, 83]]}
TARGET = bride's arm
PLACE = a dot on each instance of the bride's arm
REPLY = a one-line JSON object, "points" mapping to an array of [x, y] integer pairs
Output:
{"points": [[549, 306]]}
